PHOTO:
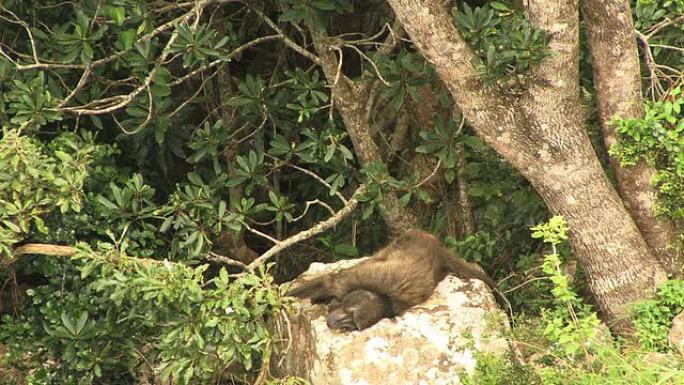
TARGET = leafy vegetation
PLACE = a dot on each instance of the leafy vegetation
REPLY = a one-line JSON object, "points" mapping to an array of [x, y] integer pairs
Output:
{"points": [[570, 345], [147, 144], [658, 137], [502, 37]]}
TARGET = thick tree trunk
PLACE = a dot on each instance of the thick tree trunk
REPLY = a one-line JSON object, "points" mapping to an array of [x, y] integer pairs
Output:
{"points": [[604, 238], [541, 134], [617, 79]]}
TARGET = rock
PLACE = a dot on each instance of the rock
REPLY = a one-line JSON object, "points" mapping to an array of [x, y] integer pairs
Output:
{"points": [[676, 335], [430, 344]]}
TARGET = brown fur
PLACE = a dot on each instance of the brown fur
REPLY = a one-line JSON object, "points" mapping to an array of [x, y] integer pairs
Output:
{"points": [[401, 275], [358, 310]]}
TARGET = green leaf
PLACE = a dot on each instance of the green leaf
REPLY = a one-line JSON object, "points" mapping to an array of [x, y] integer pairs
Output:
{"points": [[405, 199], [237, 101], [87, 269], [428, 148], [82, 319], [166, 224], [346, 250], [86, 53], [118, 14], [499, 6], [107, 203], [40, 225], [68, 324]]}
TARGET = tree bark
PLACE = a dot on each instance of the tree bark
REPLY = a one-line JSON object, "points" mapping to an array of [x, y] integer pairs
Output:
{"points": [[541, 134], [617, 78], [351, 100]]}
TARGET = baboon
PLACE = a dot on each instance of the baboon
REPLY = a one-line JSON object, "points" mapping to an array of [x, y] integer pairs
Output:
{"points": [[399, 276], [358, 310]]}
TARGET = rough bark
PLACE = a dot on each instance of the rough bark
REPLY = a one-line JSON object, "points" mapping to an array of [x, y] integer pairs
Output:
{"points": [[463, 207], [351, 100], [458, 217], [541, 134], [617, 78]]}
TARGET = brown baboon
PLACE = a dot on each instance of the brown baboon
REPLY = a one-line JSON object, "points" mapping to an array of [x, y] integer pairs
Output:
{"points": [[358, 310], [402, 275]]}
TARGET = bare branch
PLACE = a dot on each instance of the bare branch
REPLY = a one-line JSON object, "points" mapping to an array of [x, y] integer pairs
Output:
{"points": [[231, 55], [259, 233], [289, 42], [311, 174], [308, 204], [81, 82], [306, 234], [334, 85], [372, 63], [69, 251], [663, 24], [148, 118], [225, 260], [45, 249], [650, 65], [439, 163]]}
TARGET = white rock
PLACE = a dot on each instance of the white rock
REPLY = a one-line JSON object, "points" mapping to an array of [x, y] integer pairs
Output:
{"points": [[431, 344]]}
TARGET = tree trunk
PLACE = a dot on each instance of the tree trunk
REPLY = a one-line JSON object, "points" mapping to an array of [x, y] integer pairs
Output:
{"points": [[617, 78], [351, 100], [541, 134], [605, 239], [228, 243]]}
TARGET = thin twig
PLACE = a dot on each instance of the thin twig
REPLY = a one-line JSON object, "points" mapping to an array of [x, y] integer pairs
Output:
{"points": [[259, 233], [228, 57], [650, 64], [26, 27], [663, 24], [126, 99], [225, 260], [81, 82], [372, 63], [193, 97], [334, 85], [526, 283], [149, 36], [289, 42], [309, 203], [306, 234], [311, 174], [148, 118], [439, 163]]}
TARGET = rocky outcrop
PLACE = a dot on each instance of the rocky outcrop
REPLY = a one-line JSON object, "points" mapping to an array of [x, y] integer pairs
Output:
{"points": [[431, 344], [676, 335]]}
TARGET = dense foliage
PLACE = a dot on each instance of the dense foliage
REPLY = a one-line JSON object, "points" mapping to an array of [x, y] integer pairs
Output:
{"points": [[169, 143]]}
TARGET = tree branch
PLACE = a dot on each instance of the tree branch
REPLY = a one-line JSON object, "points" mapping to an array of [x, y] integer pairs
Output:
{"points": [[289, 42], [306, 234]]}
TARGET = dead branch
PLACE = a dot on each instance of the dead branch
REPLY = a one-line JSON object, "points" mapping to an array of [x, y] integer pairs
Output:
{"points": [[45, 249]]}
